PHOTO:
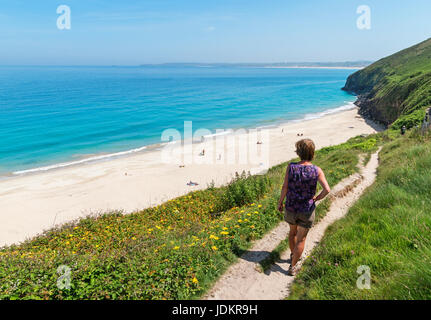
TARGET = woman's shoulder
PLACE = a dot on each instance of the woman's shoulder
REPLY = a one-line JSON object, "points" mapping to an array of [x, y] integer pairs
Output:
{"points": [[318, 169]]}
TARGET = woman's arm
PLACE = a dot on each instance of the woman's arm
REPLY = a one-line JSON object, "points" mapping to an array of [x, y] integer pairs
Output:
{"points": [[324, 184], [284, 190]]}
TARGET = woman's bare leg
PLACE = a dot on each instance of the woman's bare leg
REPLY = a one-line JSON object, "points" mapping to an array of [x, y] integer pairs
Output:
{"points": [[292, 236], [301, 235]]}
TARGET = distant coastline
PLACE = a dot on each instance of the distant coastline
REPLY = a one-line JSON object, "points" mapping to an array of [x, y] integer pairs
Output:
{"points": [[320, 65]]}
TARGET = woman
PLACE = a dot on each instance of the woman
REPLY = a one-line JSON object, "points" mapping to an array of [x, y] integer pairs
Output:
{"points": [[299, 187]]}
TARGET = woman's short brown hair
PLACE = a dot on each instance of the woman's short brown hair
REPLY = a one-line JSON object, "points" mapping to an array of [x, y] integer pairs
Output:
{"points": [[305, 149]]}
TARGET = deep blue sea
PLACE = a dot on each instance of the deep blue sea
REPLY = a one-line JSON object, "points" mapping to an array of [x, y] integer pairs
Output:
{"points": [[52, 115]]}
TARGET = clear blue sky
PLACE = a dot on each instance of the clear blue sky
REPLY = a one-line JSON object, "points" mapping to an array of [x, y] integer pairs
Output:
{"points": [[133, 32]]}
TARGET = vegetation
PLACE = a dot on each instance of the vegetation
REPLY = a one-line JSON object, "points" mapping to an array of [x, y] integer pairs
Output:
{"points": [[172, 251], [395, 86], [410, 120], [388, 230]]}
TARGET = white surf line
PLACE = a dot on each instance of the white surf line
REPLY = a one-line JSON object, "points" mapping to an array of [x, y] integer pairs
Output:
{"points": [[244, 281]]}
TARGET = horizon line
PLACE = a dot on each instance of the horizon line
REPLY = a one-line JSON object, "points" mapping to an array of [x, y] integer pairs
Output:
{"points": [[294, 63]]}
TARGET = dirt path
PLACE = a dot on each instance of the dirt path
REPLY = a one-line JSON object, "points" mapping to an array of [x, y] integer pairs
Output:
{"points": [[243, 281]]}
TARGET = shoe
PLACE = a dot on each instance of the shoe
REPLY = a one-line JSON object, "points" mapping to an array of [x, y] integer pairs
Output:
{"points": [[291, 271]]}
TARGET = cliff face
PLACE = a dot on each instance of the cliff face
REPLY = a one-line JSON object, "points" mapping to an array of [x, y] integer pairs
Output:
{"points": [[394, 86]]}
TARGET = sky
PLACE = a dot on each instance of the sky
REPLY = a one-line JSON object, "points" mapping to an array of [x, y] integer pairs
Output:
{"points": [[132, 32]]}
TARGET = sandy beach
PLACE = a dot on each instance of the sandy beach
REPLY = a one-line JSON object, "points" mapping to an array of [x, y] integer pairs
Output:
{"points": [[36, 202]]}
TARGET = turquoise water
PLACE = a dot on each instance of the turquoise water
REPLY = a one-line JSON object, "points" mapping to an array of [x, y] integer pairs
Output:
{"points": [[52, 115]]}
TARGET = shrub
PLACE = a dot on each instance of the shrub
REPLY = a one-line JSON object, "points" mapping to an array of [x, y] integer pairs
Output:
{"points": [[411, 120]]}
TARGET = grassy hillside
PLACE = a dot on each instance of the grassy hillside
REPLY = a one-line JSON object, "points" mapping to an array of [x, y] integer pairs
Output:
{"points": [[172, 251], [398, 85], [388, 230]]}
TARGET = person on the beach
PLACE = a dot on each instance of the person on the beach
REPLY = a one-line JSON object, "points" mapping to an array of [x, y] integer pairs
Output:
{"points": [[299, 189]]}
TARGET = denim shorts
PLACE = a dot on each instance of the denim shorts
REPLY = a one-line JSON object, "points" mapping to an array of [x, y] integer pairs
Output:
{"points": [[302, 219]]}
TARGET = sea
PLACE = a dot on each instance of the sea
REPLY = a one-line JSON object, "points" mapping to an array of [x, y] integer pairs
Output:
{"points": [[53, 117]]}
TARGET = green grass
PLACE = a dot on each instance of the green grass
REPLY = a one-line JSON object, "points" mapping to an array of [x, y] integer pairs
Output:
{"points": [[388, 229], [173, 251]]}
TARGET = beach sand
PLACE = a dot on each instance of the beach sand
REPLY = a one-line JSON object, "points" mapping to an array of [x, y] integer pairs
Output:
{"points": [[36, 202]]}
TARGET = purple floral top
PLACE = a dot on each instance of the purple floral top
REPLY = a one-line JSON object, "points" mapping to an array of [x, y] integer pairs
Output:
{"points": [[302, 185]]}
